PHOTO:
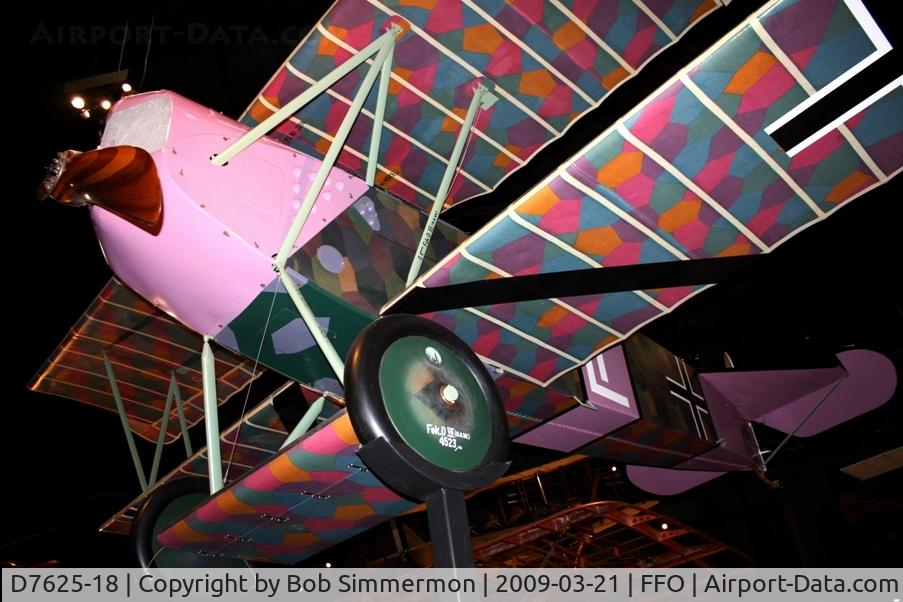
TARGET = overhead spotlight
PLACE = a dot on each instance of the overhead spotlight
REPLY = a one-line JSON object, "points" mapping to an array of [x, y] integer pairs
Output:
{"points": [[86, 114], [664, 526], [126, 87], [328, 565], [105, 104], [614, 469], [78, 102]]}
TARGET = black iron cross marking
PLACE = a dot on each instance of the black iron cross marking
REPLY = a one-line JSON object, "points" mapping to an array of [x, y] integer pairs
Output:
{"points": [[682, 389]]}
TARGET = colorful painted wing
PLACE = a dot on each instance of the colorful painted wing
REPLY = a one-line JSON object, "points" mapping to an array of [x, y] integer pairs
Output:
{"points": [[146, 348], [549, 63], [310, 496], [243, 446], [307, 498], [688, 174]]}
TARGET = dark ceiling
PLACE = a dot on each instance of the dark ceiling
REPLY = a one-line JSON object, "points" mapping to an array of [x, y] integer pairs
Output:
{"points": [[67, 467]]}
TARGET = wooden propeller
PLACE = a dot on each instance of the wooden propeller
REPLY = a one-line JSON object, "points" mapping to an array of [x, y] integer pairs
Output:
{"points": [[121, 179]]}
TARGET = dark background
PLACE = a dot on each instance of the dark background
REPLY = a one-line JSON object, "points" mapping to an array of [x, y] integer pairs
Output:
{"points": [[66, 467]]}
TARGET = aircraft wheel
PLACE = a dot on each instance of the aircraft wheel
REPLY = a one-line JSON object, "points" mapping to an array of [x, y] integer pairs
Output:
{"points": [[162, 508], [417, 386]]}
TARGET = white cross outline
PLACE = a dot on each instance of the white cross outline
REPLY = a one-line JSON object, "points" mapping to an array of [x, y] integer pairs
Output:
{"points": [[596, 387]]}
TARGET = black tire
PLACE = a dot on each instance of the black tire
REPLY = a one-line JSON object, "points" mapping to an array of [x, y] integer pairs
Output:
{"points": [[364, 395]]}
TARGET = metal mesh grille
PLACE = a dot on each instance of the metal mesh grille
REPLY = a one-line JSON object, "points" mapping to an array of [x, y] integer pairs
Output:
{"points": [[143, 125]]}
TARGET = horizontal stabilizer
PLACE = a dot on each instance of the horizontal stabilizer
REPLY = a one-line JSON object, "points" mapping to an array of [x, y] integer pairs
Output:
{"points": [[798, 402], [668, 481], [783, 399], [870, 382]]}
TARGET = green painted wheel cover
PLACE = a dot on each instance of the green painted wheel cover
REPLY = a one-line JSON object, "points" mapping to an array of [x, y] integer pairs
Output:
{"points": [[448, 427]]}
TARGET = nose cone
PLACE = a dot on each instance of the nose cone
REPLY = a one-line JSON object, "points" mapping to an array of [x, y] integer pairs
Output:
{"points": [[120, 179]]}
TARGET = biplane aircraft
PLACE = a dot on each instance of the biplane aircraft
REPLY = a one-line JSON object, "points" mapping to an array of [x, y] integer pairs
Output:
{"points": [[273, 241]]}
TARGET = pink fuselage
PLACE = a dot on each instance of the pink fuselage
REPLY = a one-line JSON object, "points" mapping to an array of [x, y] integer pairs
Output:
{"points": [[221, 225]]}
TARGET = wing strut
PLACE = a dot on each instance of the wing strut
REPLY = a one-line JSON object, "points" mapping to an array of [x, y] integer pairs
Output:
{"points": [[114, 387], [211, 418], [293, 106], [304, 424], [172, 394], [380, 114], [805, 419], [310, 320], [482, 99], [183, 424], [383, 48], [161, 440]]}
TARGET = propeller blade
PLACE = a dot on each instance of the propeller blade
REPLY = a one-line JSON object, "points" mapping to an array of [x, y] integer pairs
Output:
{"points": [[121, 179]]}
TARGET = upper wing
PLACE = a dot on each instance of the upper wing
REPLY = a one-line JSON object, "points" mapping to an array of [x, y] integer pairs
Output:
{"points": [[688, 174], [146, 348], [549, 62]]}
